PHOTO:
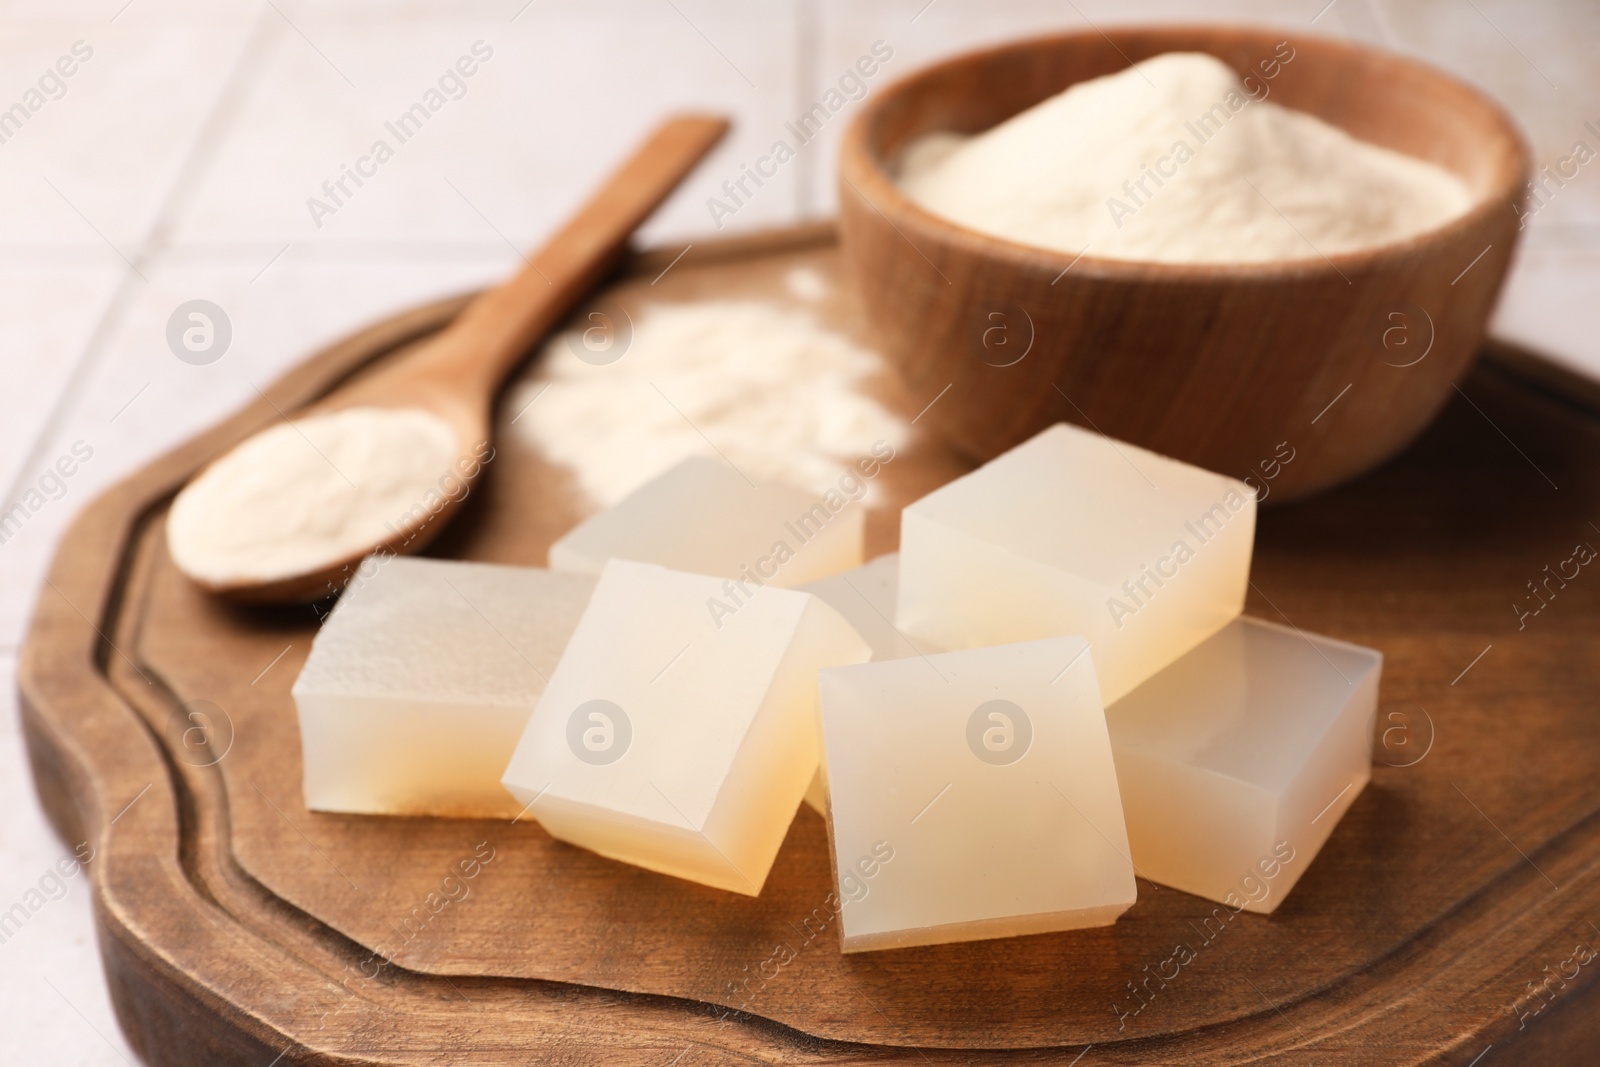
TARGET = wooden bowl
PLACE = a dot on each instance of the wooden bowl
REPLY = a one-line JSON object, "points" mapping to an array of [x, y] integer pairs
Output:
{"points": [[1295, 375]]}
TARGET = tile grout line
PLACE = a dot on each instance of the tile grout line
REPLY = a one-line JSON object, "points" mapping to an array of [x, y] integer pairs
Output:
{"points": [[259, 37]]}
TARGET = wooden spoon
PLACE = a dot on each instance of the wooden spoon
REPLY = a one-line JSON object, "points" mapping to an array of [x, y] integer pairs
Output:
{"points": [[456, 373]]}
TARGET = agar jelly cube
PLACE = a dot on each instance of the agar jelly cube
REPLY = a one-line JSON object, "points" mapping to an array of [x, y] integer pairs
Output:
{"points": [[704, 517], [972, 795], [1238, 759], [678, 737], [421, 680], [865, 597], [1072, 533]]}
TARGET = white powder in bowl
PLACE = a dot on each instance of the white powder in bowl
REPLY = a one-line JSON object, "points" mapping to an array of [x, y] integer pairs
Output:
{"points": [[767, 386], [307, 494], [1174, 161]]}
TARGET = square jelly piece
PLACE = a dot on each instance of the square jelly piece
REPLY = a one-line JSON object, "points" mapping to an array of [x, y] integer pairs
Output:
{"points": [[1238, 760], [419, 683], [972, 795], [703, 516], [1074, 534], [676, 737], [865, 597]]}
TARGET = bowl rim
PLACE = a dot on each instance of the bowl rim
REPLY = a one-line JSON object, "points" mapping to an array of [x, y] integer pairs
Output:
{"points": [[861, 168]]}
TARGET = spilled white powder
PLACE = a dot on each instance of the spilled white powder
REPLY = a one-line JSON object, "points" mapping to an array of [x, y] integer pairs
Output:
{"points": [[805, 283], [1235, 178], [778, 394], [307, 494]]}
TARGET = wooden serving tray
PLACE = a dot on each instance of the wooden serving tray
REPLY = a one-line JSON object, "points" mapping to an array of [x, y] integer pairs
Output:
{"points": [[237, 927]]}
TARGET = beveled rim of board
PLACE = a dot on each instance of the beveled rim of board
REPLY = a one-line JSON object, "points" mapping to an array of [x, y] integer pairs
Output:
{"points": [[205, 965]]}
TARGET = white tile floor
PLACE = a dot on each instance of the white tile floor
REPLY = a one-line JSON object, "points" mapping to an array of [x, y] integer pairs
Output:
{"points": [[176, 162]]}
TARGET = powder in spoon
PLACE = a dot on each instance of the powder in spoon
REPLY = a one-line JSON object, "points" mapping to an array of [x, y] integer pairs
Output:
{"points": [[308, 494], [1175, 160]]}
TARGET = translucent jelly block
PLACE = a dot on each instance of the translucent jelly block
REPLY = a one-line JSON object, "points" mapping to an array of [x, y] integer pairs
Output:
{"points": [[865, 597], [421, 680], [1072, 533], [973, 795], [676, 737], [703, 516], [1237, 761]]}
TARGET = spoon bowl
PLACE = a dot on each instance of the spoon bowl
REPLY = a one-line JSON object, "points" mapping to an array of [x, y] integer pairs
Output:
{"points": [[454, 374]]}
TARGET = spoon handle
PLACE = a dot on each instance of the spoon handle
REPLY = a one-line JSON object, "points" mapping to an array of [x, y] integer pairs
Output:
{"points": [[492, 334]]}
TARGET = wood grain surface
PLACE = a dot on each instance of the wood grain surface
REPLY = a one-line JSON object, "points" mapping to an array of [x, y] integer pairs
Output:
{"points": [[238, 927]]}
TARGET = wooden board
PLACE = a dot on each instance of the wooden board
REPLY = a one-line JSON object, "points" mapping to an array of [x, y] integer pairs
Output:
{"points": [[236, 926]]}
